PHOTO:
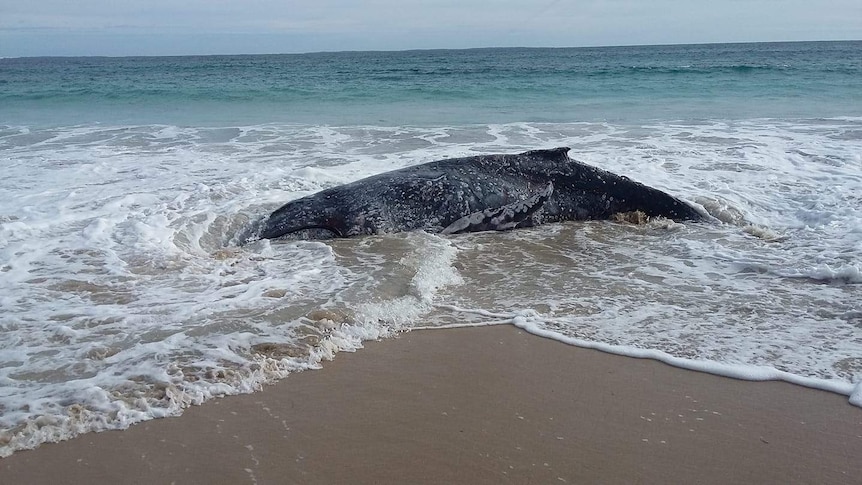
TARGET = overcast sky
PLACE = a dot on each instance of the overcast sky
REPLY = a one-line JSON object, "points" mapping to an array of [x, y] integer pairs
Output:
{"points": [[175, 27]]}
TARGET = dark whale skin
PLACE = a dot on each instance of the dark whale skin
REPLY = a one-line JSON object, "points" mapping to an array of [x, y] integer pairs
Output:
{"points": [[486, 192]]}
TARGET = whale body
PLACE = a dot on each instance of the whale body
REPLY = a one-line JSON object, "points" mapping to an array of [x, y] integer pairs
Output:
{"points": [[479, 193]]}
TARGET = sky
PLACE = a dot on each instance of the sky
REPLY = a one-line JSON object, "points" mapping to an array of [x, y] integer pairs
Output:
{"points": [[190, 27]]}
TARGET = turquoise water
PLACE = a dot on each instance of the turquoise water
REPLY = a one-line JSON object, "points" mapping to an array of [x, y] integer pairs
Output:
{"points": [[738, 81]]}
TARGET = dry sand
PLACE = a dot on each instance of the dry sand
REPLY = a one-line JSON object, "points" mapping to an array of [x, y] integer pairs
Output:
{"points": [[482, 405]]}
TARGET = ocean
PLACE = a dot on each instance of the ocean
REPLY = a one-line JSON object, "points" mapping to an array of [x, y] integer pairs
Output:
{"points": [[127, 183]]}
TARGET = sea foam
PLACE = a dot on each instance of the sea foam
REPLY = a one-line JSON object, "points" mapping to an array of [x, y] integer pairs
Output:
{"points": [[126, 297]]}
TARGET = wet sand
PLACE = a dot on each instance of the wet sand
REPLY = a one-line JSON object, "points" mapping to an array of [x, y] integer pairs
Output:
{"points": [[480, 405]]}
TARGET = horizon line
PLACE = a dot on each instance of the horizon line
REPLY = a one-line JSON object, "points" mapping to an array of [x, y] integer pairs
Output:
{"points": [[432, 49]]}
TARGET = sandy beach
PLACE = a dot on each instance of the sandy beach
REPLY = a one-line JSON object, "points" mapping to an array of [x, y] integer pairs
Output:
{"points": [[478, 405]]}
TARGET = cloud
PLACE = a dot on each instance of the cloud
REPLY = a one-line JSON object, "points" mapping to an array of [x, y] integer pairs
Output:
{"points": [[46, 27]]}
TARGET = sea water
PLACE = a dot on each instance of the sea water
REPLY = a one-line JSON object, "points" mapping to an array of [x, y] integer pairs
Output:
{"points": [[127, 183]]}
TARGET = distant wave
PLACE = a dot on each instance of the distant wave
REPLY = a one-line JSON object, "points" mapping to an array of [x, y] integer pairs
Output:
{"points": [[710, 69]]}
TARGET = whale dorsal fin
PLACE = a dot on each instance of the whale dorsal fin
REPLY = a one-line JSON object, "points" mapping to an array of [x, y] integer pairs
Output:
{"points": [[501, 218], [555, 153]]}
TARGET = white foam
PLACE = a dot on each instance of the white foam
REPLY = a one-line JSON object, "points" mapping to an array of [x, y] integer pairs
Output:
{"points": [[122, 300], [738, 371], [535, 324], [431, 260], [849, 273]]}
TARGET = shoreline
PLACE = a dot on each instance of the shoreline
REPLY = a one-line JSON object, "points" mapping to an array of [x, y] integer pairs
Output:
{"points": [[744, 372], [479, 405]]}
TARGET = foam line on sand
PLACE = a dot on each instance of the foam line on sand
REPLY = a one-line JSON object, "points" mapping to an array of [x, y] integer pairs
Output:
{"points": [[478, 405]]}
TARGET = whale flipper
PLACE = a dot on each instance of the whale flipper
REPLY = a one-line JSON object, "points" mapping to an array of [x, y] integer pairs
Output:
{"points": [[502, 218]]}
